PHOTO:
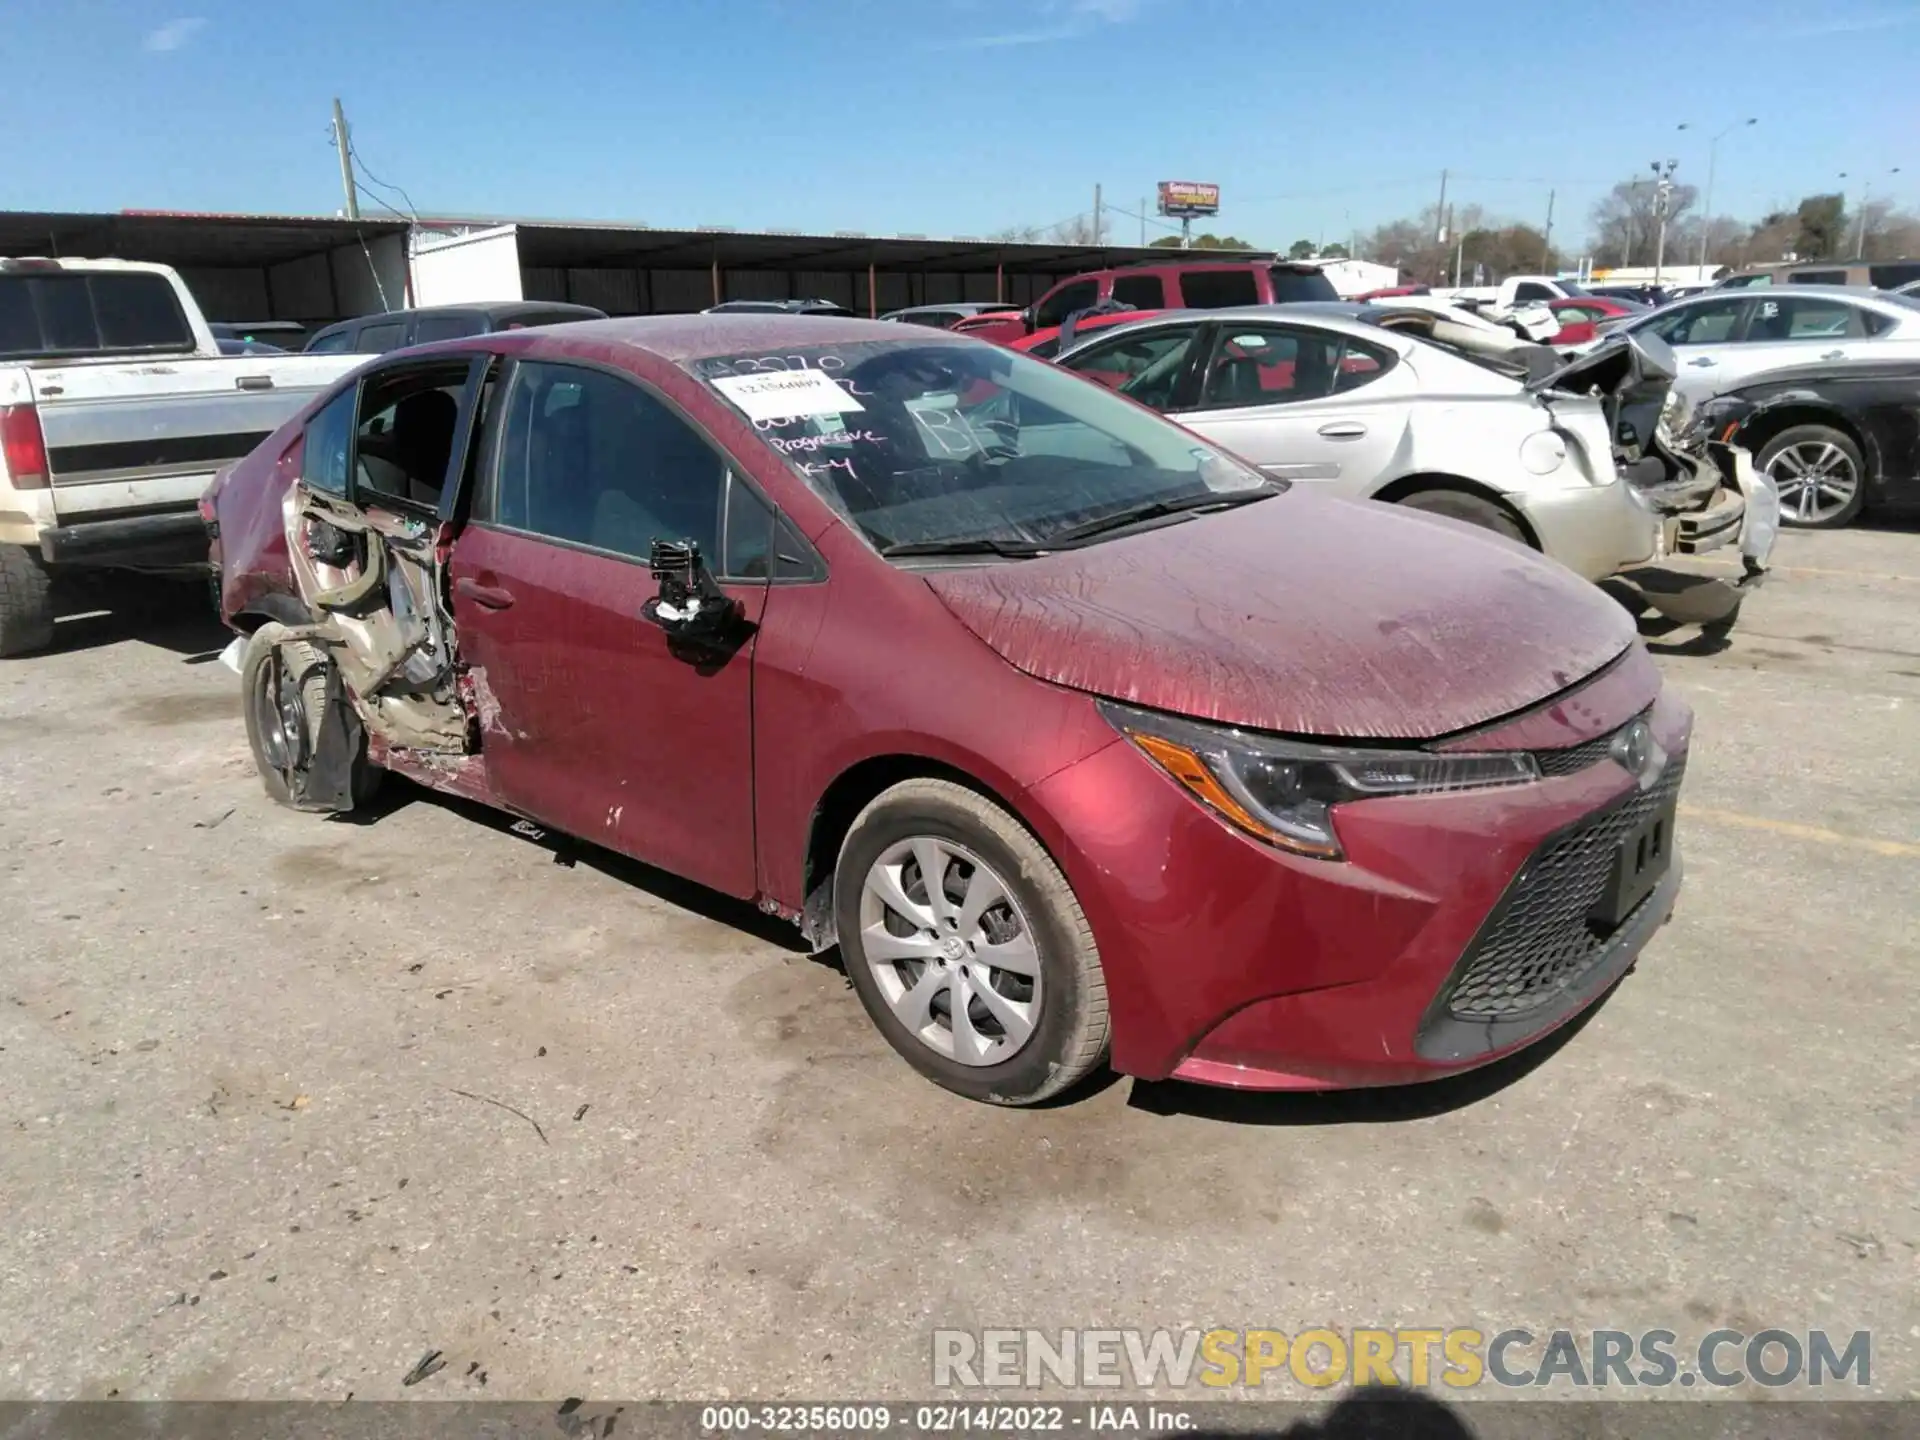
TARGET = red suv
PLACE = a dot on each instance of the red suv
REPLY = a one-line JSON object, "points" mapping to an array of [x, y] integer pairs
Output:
{"points": [[1176, 285]]}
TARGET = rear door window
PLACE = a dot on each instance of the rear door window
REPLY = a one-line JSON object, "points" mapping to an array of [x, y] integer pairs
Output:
{"points": [[1292, 287], [79, 313], [1142, 292], [1064, 301], [1218, 289], [427, 328], [328, 444], [1803, 317], [333, 342], [1278, 365], [380, 338], [408, 433]]}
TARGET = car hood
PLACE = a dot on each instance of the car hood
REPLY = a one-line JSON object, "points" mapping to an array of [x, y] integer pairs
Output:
{"points": [[1303, 614]]}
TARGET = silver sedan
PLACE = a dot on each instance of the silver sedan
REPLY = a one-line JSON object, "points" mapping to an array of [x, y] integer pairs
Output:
{"points": [[1326, 395]]}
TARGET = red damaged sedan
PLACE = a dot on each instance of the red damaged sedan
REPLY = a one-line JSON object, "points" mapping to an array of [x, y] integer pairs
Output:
{"points": [[1083, 740]]}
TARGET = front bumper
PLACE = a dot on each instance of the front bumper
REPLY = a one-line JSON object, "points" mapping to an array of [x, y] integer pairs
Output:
{"points": [[1231, 963], [1594, 530]]}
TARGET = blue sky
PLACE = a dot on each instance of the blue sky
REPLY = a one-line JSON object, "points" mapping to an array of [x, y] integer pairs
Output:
{"points": [[951, 117]]}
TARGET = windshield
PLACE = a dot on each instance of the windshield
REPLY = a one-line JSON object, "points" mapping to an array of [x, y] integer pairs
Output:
{"points": [[936, 444]]}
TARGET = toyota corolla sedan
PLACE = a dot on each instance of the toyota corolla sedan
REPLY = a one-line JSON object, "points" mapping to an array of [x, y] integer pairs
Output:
{"points": [[1085, 742]]}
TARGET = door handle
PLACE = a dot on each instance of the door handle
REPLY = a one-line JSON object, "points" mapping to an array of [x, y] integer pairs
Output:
{"points": [[1703, 360], [1343, 430], [488, 597], [253, 382], [1834, 355]]}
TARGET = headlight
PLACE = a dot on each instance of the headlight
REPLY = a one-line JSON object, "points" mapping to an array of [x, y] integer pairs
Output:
{"points": [[1282, 791]]}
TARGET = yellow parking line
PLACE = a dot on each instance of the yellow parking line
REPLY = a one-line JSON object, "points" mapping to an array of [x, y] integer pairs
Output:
{"points": [[1818, 834]]}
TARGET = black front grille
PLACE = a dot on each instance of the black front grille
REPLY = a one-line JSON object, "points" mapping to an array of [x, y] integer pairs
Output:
{"points": [[1538, 940], [1576, 758]]}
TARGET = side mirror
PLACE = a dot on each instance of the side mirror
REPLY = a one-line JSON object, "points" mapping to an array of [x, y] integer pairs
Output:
{"points": [[690, 605]]}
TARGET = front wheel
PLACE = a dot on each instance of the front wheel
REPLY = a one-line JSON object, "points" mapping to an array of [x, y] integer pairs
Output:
{"points": [[967, 947], [1819, 473]]}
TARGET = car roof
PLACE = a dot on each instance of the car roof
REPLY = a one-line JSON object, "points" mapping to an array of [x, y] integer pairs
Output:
{"points": [[680, 338], [1349, 317], [1859, 294]]}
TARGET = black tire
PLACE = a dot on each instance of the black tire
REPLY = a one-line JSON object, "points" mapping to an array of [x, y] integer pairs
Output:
{"points": [[1069, 1037], [306, 665], [1800, 435], [1458, 505], [26, 602]]}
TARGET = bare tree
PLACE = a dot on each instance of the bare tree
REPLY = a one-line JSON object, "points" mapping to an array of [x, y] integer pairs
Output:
{"points": [[1887, 232], [1626, 220], [1077, 230], [1018, 235]]}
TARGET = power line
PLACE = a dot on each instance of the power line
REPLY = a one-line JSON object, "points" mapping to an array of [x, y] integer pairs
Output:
{"points": [[374, 180]]}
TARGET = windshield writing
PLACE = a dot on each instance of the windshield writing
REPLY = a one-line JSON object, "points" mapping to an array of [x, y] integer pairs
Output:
{"points": [[941, 444]]}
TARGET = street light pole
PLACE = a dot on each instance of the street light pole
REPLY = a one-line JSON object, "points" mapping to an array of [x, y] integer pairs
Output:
{"points": [[1662, 195], [1860, 232], [1713, 156]]}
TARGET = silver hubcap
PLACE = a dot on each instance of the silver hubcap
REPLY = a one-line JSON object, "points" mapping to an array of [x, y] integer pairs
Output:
{"points": [[950, 950], [1815, 479]]}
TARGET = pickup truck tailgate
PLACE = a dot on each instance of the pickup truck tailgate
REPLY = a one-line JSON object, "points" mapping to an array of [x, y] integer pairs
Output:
{"points": [[131, 438]]}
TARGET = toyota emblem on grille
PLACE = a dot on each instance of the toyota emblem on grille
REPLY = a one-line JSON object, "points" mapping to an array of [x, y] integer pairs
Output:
{"points": [[1635, 750]]}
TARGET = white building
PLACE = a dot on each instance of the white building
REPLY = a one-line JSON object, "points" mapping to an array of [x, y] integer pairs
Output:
{"points": [[1357, 277]]}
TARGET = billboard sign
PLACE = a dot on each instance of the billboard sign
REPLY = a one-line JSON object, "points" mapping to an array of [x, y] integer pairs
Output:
{"points": [[1188, 197]]}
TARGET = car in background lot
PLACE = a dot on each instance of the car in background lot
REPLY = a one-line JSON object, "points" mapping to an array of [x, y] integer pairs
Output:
{"points": [[945, 317], [1175, 285], [778, 307], [1838, 438], [1647, 297], [1328, 395], [397, 329], [117, 405], [266, 337], [1578, 316], [1859, 274], [1045, 344], [1725, 339], [1080, 737]]}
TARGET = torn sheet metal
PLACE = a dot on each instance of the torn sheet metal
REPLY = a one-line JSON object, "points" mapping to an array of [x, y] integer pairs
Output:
{"points": [[1227, 618], [373, 580]]}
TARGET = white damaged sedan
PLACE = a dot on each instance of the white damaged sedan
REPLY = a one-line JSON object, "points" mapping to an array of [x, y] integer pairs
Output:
{"points": [[1396, 405]]}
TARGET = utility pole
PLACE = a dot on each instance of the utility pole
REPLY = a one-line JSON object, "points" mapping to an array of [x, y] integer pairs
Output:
{"points": [[1546, 237], [1459, 260], [1096, 214], [1662, 199], [340, 143], [1444, 219]]}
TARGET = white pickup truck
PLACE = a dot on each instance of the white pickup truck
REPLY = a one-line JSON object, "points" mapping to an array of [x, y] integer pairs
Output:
{"points": [[1515, 290], [116, 409]]}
